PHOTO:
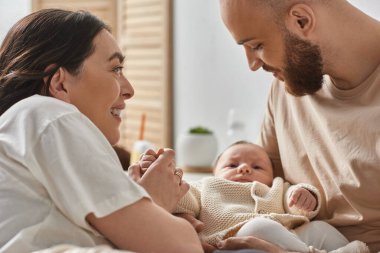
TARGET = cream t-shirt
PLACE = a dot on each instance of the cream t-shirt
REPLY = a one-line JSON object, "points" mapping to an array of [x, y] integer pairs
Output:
{"points": [[331, 140], [55, 168]]}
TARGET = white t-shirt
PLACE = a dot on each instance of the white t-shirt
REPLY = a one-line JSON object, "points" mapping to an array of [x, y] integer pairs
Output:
{"points": [[55, 168]]}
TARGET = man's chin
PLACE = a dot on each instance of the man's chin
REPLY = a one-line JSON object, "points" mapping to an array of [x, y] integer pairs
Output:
{"points": [[294, 92]]}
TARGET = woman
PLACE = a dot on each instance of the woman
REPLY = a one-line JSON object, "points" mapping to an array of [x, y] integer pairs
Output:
{"points": [[62, 90]]}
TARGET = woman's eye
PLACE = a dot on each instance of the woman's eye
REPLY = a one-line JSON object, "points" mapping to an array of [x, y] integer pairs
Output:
{"points": [[256, 167], [232, 165], [118, 70]]}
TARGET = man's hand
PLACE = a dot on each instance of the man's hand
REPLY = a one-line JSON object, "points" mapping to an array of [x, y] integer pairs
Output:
{"points": [[249, 242]]}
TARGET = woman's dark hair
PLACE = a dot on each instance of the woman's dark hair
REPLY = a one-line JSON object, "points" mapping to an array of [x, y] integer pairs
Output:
{"points": [[49, 37], [124, 156]]}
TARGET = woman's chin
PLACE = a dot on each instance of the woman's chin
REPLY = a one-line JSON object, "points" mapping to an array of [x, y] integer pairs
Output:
{"points": [[113, 139]]}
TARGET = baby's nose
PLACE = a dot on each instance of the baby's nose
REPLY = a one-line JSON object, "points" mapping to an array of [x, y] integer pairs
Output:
{"points": [[244, 169]]}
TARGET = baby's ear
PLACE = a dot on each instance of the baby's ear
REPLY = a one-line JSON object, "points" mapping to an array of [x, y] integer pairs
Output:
{"points": [[57, 88]]}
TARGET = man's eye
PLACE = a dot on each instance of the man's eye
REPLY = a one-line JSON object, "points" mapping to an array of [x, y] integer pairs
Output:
{"points": [[257, 47], [232, 165], [256, 167]]}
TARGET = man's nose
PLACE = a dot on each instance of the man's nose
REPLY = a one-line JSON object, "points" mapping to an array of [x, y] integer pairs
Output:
{"points": [[256, 64], [254, 60]]}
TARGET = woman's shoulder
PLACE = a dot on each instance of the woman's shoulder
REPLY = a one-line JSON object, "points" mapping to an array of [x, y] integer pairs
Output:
{"points": [[38, 107], [42, 103], [35, 113]]}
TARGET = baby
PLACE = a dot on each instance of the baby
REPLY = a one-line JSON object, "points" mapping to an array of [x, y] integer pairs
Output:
{"points": [[243, 199]]}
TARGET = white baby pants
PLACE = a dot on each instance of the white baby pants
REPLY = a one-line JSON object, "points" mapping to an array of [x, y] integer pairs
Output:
{"points": [[318, 234]]}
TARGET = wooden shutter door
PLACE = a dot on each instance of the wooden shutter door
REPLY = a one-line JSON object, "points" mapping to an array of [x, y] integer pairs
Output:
{"points": [[143, 30], [146, 41]]}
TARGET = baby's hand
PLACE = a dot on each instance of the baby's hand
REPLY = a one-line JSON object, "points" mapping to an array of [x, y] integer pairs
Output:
{"points": [[147, 158], [303, 199]]}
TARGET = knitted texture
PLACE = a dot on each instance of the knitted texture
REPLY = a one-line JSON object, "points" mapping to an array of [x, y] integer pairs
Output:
{"points": [[352, 247], [225, 206]]}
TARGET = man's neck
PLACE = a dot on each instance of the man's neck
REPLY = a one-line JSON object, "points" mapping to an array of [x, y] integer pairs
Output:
{"points": [[352, 52]]}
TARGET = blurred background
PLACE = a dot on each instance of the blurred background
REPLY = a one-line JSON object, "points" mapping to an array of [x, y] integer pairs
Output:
{"points": [[186, 69]]}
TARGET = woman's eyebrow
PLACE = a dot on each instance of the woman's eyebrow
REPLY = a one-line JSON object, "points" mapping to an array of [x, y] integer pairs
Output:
{"points": [[117, 55]]}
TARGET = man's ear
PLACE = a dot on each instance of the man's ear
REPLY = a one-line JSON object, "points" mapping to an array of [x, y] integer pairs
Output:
{"points": [[300, 20], [57, 87]]}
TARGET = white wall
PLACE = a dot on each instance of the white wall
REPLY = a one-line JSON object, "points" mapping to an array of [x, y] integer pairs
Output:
{"points": [[211, 74], [10, 12]]}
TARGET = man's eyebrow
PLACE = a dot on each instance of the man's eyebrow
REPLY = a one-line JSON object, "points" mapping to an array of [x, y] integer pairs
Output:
{"points": [[241, 42], [117, 55]]}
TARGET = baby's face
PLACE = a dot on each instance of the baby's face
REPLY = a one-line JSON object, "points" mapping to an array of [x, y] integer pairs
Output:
{"points": [[245, 163]]}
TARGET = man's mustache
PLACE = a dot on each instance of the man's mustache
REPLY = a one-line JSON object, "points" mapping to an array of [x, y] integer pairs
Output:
{"points": [[269, 68]]}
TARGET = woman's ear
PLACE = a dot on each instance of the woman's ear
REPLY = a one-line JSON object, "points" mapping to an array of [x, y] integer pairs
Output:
{"points": [[57, 87], [300, 20]]}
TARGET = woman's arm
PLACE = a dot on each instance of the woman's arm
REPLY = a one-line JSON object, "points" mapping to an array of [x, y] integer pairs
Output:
{"points": [[146, 227]]}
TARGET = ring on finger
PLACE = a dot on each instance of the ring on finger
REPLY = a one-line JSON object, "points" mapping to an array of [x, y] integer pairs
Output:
{"points": [[179, 173]]}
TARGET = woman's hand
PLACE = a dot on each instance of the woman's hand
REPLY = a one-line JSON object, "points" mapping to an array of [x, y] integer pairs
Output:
{"points": [[249, 242], [156, 172]]}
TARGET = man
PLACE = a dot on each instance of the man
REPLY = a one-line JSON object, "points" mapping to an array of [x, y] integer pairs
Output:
{"points": [[322, 124]]}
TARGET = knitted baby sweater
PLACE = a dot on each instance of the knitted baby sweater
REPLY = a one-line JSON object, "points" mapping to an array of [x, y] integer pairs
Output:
{"points": [[225, 206]]}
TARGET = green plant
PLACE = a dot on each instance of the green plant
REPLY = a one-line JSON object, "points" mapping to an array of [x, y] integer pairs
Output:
{"points": [[200, 130]]}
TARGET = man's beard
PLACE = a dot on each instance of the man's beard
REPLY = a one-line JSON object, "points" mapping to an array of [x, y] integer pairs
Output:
{"points": [[303, 66]]}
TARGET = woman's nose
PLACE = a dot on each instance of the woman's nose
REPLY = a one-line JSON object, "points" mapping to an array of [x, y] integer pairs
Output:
{"points": [[126, 89], [244, 169]]}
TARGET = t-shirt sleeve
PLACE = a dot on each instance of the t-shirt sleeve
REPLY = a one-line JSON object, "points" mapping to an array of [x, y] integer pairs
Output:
{"points": [[80, 170]]}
